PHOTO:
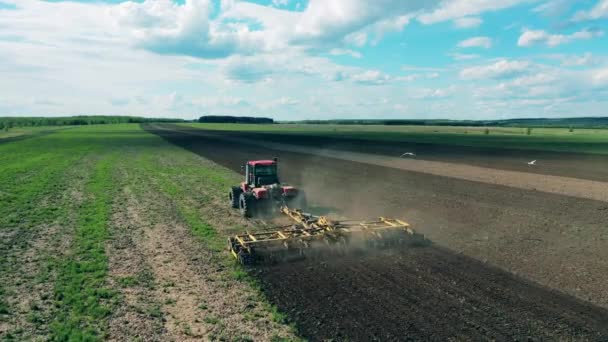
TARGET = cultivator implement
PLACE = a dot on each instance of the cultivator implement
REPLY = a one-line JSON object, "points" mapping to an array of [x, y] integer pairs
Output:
{"points": [[311, 235]]}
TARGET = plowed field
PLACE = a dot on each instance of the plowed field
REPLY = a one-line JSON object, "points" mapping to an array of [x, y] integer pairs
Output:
{"points": [[508, 263]]}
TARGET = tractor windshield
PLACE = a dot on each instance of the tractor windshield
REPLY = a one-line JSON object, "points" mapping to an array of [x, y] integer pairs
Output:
{"points": [[265, 175], [266, 170]]}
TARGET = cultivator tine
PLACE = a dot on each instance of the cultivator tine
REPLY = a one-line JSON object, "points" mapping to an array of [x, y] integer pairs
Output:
{"points": [[312, 236]]}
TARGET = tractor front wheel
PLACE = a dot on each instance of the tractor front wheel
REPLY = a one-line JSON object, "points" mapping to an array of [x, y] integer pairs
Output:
{"points": [[247, 204], [235, 193]]}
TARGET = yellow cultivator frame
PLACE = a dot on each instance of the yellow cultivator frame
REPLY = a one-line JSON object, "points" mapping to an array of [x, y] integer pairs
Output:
{"points": [[310, 234]]}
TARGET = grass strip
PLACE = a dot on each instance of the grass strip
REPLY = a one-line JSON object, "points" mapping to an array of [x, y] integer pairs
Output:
{"points": [[81, 293], [166, 176]]}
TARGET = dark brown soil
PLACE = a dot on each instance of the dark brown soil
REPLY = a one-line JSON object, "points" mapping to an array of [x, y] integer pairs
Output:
{"points": [[424, 293], [31, 135], [556, 241], [578, 165]]}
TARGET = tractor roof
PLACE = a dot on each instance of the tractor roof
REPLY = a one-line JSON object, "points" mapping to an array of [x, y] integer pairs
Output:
{"points": [[261, 162]]}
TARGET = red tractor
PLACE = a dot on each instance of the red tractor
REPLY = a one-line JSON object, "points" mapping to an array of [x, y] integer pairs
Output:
{"points": [[261, 193]]}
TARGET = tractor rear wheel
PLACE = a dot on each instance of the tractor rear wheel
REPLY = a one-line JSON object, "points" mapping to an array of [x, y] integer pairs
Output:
{"points": [[235, 193], [247, 204]]}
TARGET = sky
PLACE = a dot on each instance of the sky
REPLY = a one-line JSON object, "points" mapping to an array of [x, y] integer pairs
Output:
{"points": [[305, 59]]}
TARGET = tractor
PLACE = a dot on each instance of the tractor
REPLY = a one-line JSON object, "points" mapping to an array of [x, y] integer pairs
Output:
{"points": [[261, 194]]}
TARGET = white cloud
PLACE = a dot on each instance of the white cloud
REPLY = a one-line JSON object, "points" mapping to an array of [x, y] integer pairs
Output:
{"points": [[280, 3], [159, 58], [586, 59], [433, 93], [421, 68], [454, 9], [358, 39], [499, 70], [244, 28], [553, 85], [221, 101], [482, 42], [467, 22], [46, 102], [119, 102], [370, 77], [599, 11], [265, 68], [553, 8], [247, 71], [165, 27], [463, 56], [541, 37], [408, 78], [330, 21], [600, 77], [287, 101], [395, 24], [372, 102], [348, 52], [414, 77]]}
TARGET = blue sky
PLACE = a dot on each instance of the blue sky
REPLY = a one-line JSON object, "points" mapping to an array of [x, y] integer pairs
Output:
{"points": [[295, 59]]}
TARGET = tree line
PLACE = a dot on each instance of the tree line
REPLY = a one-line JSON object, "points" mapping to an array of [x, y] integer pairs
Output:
{"points": [[583, 122], [234, 119], [10, 122]]}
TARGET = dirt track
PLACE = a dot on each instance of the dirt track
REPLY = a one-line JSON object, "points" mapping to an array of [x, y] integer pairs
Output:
{"points": [[579, 165], [569, 186], [558, 241]]}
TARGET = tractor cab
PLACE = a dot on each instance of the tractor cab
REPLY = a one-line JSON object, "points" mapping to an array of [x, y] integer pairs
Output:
{"points": [[261, 172], [261, 192]]}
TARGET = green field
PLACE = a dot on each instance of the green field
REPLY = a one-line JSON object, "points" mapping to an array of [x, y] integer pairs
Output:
{"points": [[25, 131], [543, 139], [111, 232], [70, 200]]}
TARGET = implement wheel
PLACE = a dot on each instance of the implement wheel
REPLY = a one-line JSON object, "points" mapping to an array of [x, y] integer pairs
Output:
{"points": [[247, 204], [235, 193], [245, 259], [232, 245]]}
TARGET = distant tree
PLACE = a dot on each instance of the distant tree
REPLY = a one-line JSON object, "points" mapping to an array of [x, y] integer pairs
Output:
{"points": [[9, 122], [529, 131], [486, 131], [571, 129], [234, 119]]}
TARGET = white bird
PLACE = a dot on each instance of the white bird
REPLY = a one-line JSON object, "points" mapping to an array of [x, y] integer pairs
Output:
{"points": [[409, 154], [532, 162]]}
